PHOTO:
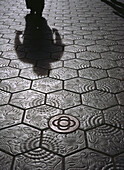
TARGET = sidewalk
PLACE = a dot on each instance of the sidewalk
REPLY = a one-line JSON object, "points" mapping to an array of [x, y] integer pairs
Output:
{"points": [[62, 86]]}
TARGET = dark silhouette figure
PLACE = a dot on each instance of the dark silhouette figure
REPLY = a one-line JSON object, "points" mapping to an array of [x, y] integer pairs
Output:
{"points": [[40, 44], [117, 6], [36, 6]]}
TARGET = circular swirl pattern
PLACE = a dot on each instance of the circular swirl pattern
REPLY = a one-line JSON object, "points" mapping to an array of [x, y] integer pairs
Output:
{"points": [[64, 123]]}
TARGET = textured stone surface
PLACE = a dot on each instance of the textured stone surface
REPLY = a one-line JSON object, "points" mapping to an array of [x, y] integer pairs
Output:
{"points": [[5, 161]]}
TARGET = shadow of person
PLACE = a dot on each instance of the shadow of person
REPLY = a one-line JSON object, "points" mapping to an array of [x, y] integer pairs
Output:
{"points": [[117, 6], [40, 44]]}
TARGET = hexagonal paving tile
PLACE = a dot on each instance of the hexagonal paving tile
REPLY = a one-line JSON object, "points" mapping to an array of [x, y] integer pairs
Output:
{"points": [[117, 48], [47, 85], [4, 62], [49, 64], [84, 42], [115, 116], [27, 99], [120, 63], [79, 85], [39, 116], [110, 85], [25, 63], [65, 56], [98, 99], [10, 116], [5, 161], [12, 55], [103, 63], [106, 139], [6, 47], [19, 139], [116, 73], [119, 162], [63, 73], [33, 73], [87, 116], [63, 144], [8, 72], [63, 99], [38, 159], [4, 97], [112, 55], [93, 37], [88, 55], [97, 48], [106, 42], [75, 48], [120, 98], [76, 63], [15, 84], [92, 73], [88, 159]]}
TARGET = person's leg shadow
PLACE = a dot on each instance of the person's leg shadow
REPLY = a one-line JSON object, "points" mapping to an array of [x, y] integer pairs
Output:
{"points": [[40, 45], [117, 6]]}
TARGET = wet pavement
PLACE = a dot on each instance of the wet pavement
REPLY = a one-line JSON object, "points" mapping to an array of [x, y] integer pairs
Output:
{"points": [[62, 86]]}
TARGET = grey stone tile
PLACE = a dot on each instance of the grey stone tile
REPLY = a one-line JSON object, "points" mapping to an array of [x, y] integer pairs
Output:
{"points": [[88, 159], [115, 116], [88, 55], [117, 48], [116, 73], [79, 85], [97, 48], [84, 42], [39, 116], [19, 139], [63, 144], [8, 72], [119, 162], [4, 62], [120, 98], [26, 63], [112, 55], [106, 42], [5, 161], [120, 63], [27, 99], [92, 73], [38, 159], [12, 55], [103, 63], [87, 116], [110, 85], [4, 96], [63, 99], [10, 115], [106, 139], [76, 63], [15, 84], [67, 55], [63, 73], [75, 48], [98, 99], [6, 47], [47, 85]]}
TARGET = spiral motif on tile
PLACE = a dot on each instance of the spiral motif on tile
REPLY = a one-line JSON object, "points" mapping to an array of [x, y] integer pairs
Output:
{"points": [[94, 120], [5, 87], [108, 167], [88, 87], [36, 102], [106, 130]]}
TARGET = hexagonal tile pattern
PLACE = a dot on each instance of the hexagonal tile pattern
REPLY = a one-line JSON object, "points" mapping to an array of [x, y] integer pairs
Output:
{"points": [[75, 48], [106, 139], [33, 73], [67, 55], [63, 99], [4, 62], [10, 115], [119, 162], [5, 161], [98, 99], [79, 85], [8, 72], [112, 55], [19, 139], [12, 55], [115, 116], [110, 85], [63, 73], [21, 65], [15, 84], [76, 64], [98, 48], [106, 42], [116, 73], [103, 64], [88, 159], [4, 97], [120, 98], [88, 55], [84, 42], [39, 116], [27, 99], [38, 159], [63, 144], [87, 116], [47, 85], [92, 73], [117, 48]]}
